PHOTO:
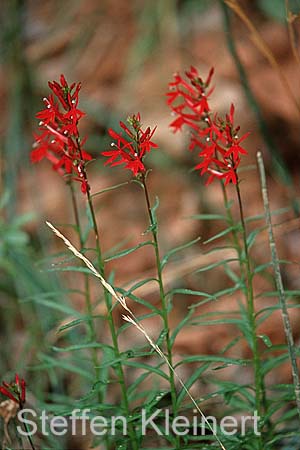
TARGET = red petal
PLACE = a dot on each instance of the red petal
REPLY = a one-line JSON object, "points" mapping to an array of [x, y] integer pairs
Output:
{"points": [[8, 394]]}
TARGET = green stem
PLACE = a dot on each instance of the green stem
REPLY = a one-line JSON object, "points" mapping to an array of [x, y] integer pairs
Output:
{"points": [[164, 312], [259, 389], [279, 284], [28, 435], [88, 304], [107, 298], [231, 223]]}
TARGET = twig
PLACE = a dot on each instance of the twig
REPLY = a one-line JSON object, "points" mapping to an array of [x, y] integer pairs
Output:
{"points": [[279, 284]]}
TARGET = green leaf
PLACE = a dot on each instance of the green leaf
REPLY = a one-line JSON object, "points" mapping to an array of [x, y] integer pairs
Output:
{"points": [[210, 322], [185, 291], [140, 319], [208, 217], [70, 269], [154, 209], [71, 324], [216, 264], [110, 188], [266, 340], [135, 286], [288, 293], [190, 382], [262, 216], [148, 367], [177, 249], [139, 300], [275, 361], [222, 233], [127, 251], [217, 295], [232, 275], [49, 362], [16, 238], [213, 359], [228, 387], [135, 384], [42, 299], [24, 219], [74, 348], [253, 235], [271, 309], [181, 324]]}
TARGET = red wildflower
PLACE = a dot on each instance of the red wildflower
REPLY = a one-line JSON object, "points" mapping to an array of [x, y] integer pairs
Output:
{"points": [[217, 138], [189, 99], [130, 151], [15, 391], [59, 140]]}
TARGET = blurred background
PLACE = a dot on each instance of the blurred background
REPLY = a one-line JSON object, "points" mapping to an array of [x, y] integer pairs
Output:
{"points": [[125, 54]]}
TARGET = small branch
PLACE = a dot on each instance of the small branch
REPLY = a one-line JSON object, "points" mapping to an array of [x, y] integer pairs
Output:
{"points": [[259, 384], [279, 284]]}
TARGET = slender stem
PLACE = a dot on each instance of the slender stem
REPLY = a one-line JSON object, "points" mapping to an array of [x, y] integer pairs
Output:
{"points": [[107, 298], [231, 223], [279, 284], [164, 312], [96, 232], [259, 387], [88, 304], [76, 213], [239, 251], [28, 435]]}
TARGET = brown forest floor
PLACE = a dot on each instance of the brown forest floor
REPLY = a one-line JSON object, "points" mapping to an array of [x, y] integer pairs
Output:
{"points": [[125, 54]]}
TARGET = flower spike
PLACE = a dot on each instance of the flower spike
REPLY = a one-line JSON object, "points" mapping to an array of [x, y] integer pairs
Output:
{"points": [[15, 391], [217, 138], [132, 151], [59, 140]]}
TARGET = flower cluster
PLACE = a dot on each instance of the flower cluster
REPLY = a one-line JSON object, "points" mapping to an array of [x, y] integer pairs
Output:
{"points": [[58, 140], [217, 138], [130, 150], [15, 391]]}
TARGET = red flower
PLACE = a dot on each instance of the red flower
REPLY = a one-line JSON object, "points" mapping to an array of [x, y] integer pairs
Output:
{"points": [[216, 138], [59, 140], [15, 391], [130, 151], [189, 99]]}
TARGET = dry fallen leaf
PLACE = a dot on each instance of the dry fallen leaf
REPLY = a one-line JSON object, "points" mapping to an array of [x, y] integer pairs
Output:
{"points": [[8, 410]]}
